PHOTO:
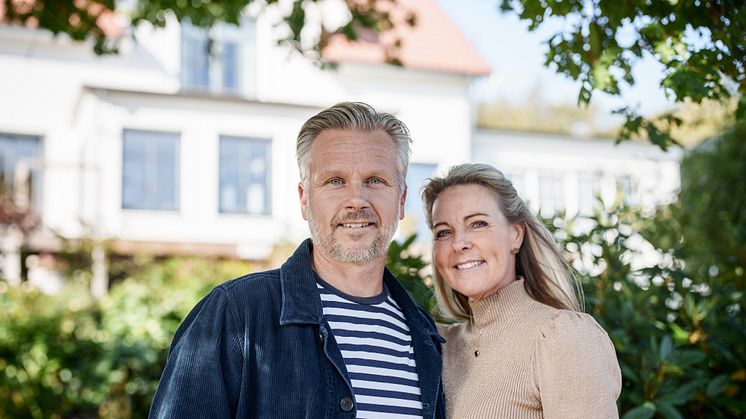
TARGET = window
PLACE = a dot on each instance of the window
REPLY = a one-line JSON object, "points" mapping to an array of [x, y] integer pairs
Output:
{"points": [[414, 207], [216, 59], [20, 152], [589, 186], [244, 175], [625, 187], [150, 170], [551, 194]]}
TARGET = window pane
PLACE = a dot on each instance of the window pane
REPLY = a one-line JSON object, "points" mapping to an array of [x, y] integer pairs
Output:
{"points": [[15, 149], [551, 194], [230, 66], [626, 188], [195, 56], [244, 175], [589, 187], [150, 170]]}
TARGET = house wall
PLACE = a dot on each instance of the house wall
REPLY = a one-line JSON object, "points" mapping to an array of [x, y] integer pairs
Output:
{"points": [[79, 106], [527, 157]]}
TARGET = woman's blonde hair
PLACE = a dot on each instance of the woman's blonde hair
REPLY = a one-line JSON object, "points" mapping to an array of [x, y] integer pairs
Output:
{"points": [[547, 276]]}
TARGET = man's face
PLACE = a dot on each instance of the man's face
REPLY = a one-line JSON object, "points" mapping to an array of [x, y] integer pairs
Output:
{"points": [[352, 200]]}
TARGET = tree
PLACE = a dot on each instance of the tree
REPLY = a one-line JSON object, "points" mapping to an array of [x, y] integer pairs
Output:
{"points": [[91, 19], [700, 44]]}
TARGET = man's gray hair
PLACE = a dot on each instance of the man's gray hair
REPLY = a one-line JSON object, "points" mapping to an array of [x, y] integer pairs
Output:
{"points": [[356, 116]]}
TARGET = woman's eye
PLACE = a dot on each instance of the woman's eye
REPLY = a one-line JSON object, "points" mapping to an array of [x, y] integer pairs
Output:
{"points": [[441, 233], [479, 224]]}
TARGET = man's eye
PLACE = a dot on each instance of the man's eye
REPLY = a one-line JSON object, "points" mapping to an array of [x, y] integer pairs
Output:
{"points": [[375, 181], [334, 181]]}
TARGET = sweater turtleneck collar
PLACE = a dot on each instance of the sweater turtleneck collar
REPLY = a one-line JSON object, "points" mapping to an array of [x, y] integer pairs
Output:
{"points": [[502, 306]]}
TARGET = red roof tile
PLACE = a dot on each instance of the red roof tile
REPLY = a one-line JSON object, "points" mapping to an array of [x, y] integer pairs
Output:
{"points": [[434, 43]]}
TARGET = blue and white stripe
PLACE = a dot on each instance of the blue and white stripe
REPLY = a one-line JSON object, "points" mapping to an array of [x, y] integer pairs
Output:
{"points": [[376, 345]]}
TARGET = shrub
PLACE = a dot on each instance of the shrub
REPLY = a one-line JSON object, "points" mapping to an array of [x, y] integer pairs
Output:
{"points": [[66, 356], [679, 340]]}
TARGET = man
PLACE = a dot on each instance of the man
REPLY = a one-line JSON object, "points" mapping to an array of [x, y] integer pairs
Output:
{"points": [[331, 334]]}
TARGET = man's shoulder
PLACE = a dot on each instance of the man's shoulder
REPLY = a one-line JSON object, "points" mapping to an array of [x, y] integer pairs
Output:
{"points": [[253, 284]]}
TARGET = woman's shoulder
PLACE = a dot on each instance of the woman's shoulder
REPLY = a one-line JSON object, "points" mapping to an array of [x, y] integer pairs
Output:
{"points": [[576, 332], [574, 354], [570, 324]]}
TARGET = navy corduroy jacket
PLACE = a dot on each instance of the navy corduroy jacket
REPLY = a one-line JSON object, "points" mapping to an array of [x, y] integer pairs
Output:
{"points": [[258, 347]]}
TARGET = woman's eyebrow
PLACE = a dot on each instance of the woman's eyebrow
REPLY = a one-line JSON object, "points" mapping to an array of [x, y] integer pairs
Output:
{"points": [[476, 214], [439, 224]]}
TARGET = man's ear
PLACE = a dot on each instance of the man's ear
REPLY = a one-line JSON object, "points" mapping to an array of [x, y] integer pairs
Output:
{"points": [[303, 196], [402, 202]]}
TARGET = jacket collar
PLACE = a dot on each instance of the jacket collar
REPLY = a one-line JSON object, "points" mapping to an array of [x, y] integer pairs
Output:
{"points": [[300, 296]]}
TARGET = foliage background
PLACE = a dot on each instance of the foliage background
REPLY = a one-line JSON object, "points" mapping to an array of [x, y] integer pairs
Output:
{"points": [[677, 323]]}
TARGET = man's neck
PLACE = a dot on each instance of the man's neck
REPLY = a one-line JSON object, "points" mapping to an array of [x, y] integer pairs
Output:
{"points": [[359, 280]]}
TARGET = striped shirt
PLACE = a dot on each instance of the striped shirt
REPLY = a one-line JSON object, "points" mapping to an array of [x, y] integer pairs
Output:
{"points": [[376, 346]]}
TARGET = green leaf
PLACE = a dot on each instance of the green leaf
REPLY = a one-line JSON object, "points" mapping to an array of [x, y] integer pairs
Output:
{"points": [[684, 393], [665, 347], [679, 334], [668, 411], [644, 411], [717, 385]]}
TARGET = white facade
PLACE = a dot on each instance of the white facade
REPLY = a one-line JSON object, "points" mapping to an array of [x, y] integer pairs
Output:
{"points": [[79, 110], [556, 172], [88, 123]]}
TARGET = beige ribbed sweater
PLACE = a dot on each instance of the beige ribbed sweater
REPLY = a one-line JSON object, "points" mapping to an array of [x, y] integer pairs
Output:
{"points": [[534, 362]]}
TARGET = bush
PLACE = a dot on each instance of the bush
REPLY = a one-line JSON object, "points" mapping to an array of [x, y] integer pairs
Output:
{"points": [[679, 338], [66, 356]]}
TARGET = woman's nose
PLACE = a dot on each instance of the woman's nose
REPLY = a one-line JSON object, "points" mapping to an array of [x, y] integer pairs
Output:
{"points": [[461, 243]]}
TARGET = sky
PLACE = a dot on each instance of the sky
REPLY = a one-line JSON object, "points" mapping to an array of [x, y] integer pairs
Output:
{"points": [[517, 56]]}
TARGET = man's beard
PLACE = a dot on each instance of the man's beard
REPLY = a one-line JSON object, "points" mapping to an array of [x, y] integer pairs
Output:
{"points": [[338, 252]]}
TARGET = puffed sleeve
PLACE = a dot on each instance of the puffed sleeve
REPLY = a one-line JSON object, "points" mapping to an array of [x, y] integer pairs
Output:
{"points": [[202, 377], [577, 371]]}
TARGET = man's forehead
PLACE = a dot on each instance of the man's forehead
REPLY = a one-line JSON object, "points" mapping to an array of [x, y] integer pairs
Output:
{"points": [[351, 137], [345, 146], [369, 166]]}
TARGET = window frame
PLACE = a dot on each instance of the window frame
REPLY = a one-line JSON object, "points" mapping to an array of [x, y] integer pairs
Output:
{"points": [[176, 136], [268, 207], [36, 172]]}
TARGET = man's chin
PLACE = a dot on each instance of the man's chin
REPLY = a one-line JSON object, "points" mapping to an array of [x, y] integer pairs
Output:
{"points": [[358, 252]]}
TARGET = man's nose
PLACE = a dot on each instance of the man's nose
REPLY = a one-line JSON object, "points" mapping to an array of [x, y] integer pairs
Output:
{"points": [[357, 196]]}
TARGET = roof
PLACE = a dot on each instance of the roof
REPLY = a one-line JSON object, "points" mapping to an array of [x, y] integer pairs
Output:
{"points": [[434, 43]]}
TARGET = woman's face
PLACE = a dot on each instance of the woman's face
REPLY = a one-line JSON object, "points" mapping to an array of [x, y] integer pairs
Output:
{"points": [[472, 241]]}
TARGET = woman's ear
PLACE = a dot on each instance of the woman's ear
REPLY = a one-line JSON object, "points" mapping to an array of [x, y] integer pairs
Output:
{"points": [[519, 230]]}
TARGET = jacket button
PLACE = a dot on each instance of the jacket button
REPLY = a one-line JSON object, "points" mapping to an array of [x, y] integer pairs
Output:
{"points": [[346, 404]]}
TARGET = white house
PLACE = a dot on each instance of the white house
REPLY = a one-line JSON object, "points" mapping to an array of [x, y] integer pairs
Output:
{"points": [[559, 172], [184, 142]]}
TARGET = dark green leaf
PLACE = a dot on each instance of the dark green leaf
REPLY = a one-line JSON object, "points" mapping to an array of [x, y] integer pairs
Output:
{"points": [[644, 411], [717, 385]]}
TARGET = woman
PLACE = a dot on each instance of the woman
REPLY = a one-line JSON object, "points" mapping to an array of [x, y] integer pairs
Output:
{"points": [[520, 347]]}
